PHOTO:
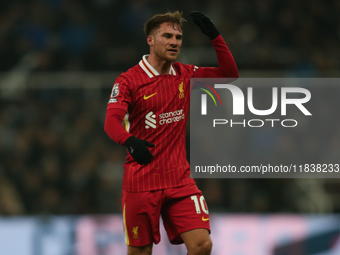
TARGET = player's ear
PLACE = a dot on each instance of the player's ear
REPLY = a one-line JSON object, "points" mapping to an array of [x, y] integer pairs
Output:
{"points": [[150, 40]]}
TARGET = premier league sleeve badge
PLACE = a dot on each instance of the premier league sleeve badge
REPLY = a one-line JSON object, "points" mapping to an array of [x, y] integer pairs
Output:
{"points": [[115, 90]]}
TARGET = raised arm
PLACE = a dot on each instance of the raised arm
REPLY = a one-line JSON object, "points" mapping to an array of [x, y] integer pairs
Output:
{"points": [[226, 63]]}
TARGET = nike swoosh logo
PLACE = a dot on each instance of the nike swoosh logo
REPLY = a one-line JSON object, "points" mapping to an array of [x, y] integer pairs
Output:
{"points": [[147, 97], [205, 219]]}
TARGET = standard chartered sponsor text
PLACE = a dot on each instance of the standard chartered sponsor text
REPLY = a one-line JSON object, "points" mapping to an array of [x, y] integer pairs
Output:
{"points": [[170, 117], [263, 169]]}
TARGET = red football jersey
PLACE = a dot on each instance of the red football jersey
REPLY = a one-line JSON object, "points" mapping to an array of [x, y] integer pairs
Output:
{"points": [[157, 110]]}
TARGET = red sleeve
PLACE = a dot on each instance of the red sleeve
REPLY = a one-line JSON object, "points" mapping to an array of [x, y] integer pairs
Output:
{"points": [[226, 63], [120, 95], [113, 125]]}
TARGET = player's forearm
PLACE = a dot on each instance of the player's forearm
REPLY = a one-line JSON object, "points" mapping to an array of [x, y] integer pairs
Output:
{"points": [[113, 126], [226, 62]]}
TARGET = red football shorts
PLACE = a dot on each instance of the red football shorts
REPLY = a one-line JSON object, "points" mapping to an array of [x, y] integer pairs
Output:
{"points": [[182, 209]]}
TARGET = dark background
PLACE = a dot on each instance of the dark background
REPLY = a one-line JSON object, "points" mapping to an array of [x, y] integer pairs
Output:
{"points": [[59, 59]]}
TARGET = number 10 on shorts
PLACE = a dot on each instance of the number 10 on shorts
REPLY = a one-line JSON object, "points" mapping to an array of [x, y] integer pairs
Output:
{"points": [[200, 204]]}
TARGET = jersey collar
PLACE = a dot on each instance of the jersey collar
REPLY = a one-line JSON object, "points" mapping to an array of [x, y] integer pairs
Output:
{"points": [[149, 70]]}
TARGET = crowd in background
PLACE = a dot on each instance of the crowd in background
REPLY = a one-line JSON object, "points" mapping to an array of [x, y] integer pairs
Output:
{"points": [[55, 157], [106, 35]]}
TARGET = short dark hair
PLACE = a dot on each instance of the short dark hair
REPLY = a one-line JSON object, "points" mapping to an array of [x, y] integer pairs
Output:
{"points": [[158, 19]]}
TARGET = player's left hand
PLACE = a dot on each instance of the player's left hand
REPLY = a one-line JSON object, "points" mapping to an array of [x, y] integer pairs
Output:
{"points": [[205, 24]]}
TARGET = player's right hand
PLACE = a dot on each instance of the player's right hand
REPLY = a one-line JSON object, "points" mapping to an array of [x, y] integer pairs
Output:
{"points": [[138, 149]]}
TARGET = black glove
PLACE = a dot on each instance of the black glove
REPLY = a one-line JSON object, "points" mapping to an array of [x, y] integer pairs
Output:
{"points": [[138, 150], [205, 24]]}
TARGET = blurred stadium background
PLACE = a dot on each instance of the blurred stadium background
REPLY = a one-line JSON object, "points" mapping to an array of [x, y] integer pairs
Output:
{"points": [[58, 61]]}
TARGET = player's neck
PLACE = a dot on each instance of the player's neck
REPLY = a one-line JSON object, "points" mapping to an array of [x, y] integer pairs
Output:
{"points": [[161, 66]]}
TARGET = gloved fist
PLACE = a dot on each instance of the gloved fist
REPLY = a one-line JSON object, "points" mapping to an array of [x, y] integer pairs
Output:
{"points": [[205, 24], [138, 150]]}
